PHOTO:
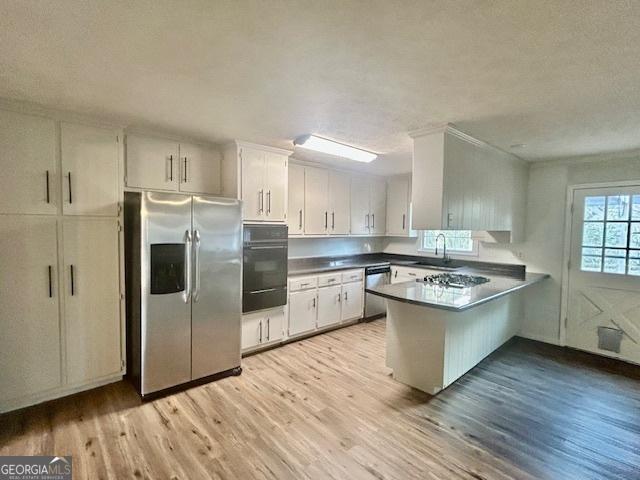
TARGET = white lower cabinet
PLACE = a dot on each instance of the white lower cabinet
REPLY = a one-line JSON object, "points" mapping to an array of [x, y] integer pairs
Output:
{"points": [[262, 328], [30, 340], [352, 300], [329, 305], [302, 311], [91, 298]]}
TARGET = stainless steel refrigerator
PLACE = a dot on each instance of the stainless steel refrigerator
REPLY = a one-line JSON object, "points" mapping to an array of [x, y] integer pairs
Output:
{"points": [[183, 273]]}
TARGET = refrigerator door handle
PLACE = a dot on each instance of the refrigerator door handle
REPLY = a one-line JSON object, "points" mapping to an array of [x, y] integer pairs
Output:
{"points": [[196, 262], [187, 271]]}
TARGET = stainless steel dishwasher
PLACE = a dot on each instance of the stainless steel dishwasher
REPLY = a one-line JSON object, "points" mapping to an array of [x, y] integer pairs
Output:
{"points": [[375, 306]]}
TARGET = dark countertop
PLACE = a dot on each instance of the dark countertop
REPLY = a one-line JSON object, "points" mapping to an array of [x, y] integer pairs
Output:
{"points": [[308, 265], [455, 299]]}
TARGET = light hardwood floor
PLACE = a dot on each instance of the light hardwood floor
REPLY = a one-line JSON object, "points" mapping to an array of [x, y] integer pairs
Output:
{"points": [[326, 407]]}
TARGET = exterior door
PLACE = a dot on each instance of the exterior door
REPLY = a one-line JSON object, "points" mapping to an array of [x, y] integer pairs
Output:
{"points": [[89, 170], [276, 187], [166, 290], [30, 339], [29, 179], [329, 301], [316, 184], [199, 169], [253, 179], [152, 163], [360, 215], [340, 203], [217, 286], [296, 200], [352, 300], [302, 312], [91, 298], [604, 272]]}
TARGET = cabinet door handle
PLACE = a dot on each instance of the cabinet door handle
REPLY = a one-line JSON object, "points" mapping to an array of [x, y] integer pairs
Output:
{"points": [[300, 218], [260, 201], [339, 298], [268, 329], [71, 275], [373, 220], [70, 192], [366, 220], [48, 193], [171, 168], [314, 302], [346, 297], [185, 170], [395, 275], [260, 331], [268, 202], [49, 268], [326, 220], [411, 274], [403, 220], [333, 220]]}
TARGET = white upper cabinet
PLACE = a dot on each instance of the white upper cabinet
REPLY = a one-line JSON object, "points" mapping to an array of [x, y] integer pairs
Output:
{"points": [[360, 214], [460, 183], [368, 206], [378, 206], [399, 207], [257, 175], [295, 217], [28, 157], [152, 163], [253, 180], [316, 199], [276, 186], [91, 298], [199, 169], [339, 203], [89, 170]]}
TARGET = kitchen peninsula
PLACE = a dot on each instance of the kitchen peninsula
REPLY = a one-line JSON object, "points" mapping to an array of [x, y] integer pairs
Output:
{"points": [[440, 327]]}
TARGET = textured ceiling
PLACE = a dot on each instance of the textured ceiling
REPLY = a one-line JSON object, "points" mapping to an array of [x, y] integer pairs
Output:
{"points": [[562, 77]]}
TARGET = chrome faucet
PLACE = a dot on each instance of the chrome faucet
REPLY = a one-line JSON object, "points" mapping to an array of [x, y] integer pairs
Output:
{"points": [[445, 257]]}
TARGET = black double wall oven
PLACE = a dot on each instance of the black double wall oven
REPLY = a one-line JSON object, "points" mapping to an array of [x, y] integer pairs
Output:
{"points": [[264, 276]]}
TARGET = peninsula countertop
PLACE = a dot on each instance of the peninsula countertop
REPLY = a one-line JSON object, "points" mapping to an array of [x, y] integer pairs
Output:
{"points": [[424, 294]]}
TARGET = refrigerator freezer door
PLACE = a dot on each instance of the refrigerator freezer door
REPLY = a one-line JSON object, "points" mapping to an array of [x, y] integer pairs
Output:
{"points": [[217, 285], [165, 301]]}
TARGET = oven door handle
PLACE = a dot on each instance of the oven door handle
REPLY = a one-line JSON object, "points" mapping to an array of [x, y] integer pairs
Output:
{"points": [[264, 290], [265, 247]]}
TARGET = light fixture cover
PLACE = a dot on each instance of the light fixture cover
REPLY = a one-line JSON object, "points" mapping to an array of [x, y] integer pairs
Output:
{"points": [[324, 145]]}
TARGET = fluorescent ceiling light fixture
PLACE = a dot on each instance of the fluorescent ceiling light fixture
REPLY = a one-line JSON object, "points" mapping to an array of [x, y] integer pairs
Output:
{"points": [[324, 145]]}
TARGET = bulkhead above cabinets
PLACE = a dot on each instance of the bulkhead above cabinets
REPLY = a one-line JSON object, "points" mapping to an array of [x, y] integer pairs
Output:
{"points": [[460, 183]]}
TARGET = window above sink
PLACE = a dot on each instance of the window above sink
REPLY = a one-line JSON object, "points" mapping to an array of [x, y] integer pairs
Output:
{"points": [[459, 242]]}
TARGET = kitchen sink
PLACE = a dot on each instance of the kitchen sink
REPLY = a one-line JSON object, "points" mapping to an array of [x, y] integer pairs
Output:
{"points": [[438, 264]]}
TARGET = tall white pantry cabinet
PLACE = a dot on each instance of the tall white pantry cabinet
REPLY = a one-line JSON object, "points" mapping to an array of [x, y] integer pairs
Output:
{"points": [[60, 258]]}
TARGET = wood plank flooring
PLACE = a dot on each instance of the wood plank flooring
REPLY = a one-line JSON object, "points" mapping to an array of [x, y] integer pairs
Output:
{"points": [[326, 407]]}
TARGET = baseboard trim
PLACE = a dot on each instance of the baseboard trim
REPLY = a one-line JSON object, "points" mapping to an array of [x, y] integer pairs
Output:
{"points": [[541, 338], [30, 400]]}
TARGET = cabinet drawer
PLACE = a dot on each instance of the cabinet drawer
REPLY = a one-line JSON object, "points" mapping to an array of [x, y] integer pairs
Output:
{"points": [[302, 283], [352, 276], [329, 279]]}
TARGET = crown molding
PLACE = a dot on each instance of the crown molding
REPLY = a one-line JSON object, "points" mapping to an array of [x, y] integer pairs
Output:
{"points": [[257, 146], [429, 130]]}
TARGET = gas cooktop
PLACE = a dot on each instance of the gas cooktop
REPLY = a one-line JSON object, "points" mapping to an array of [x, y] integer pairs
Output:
{"points": [[455, 280]]}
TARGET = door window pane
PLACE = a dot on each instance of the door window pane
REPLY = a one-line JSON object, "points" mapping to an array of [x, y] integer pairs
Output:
{"points": [[591, 264], [614, 265], [616, 234], [618, 207], [594, 208], [635, 210], [592, 252], [634, 262], [592, 234], [634, 240], [615, 252]]}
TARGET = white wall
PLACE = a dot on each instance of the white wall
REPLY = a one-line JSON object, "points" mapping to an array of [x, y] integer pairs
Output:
{"points": [[321, 247]]}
